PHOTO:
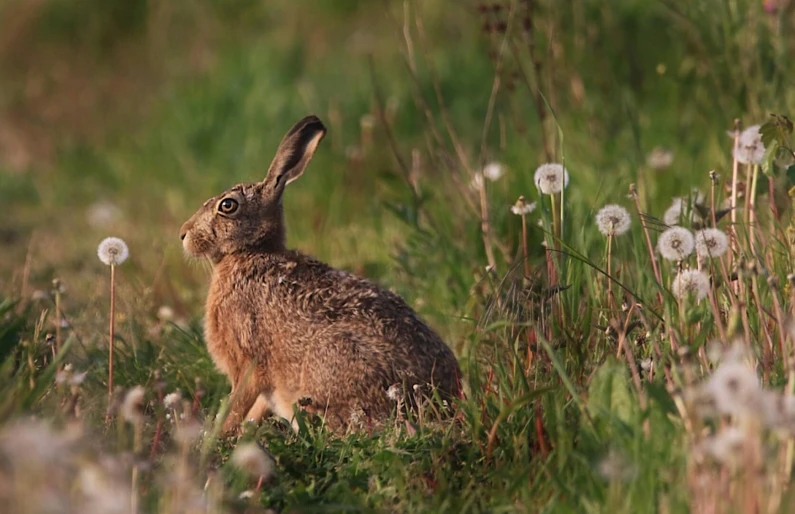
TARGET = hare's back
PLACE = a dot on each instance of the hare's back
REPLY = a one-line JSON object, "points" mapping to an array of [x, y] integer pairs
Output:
{"points": [[336, 301]]}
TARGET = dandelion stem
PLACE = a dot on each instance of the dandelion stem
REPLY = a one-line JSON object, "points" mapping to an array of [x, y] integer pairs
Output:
{"points": [[556, 227], [752, 209], [524, 248], [112, 328], [57, 318], [609, 271], [654, 265], [735, 170]]}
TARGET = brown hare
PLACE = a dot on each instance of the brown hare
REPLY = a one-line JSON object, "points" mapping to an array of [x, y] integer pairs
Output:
{"points": [[289, 330]]}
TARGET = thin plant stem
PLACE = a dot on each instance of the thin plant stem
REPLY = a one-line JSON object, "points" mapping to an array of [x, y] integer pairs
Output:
{"points": [[609, 272], [112, 328], [556, 235], [485, 225], [733, 204], [752, 209], [525, 255]]}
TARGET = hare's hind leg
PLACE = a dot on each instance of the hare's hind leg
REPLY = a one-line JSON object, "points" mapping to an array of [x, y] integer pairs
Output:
{"points": [[243, 400]]}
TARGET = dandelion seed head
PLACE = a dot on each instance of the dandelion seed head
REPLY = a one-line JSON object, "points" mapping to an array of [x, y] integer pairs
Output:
{"points": [[676, 243], [393, 393], [165, 313], [735, 388], [493, 171], [659, 158], [613, 220], [113, 251], [728, 446], [750, 149], [711, 243], [173, 400], [680, 210], [132, 408], [251, 458], [522, 208], [691, 282], [551, 178]]}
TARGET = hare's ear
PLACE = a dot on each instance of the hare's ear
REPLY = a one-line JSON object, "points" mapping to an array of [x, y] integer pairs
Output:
{"points": [[294, 153]]}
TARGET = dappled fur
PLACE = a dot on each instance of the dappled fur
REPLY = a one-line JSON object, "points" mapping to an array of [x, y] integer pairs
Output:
{"points": [[289, 330]]}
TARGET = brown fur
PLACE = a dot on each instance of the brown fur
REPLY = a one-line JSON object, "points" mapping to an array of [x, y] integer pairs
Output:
{"points": [[287, 329]]}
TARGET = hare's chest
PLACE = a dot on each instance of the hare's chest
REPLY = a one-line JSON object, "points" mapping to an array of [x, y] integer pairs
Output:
{"points": [[218, 344]]}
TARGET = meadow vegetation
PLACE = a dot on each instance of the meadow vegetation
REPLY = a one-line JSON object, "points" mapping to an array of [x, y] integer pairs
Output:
{"points": [[626, 335]]}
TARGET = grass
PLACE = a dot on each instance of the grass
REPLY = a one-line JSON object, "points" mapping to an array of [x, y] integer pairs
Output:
{"points": [[576, 400]]}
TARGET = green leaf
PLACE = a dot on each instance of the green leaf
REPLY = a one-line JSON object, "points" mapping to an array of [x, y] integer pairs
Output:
{"points": [[768, 161], [769, 132], [609, 394]]}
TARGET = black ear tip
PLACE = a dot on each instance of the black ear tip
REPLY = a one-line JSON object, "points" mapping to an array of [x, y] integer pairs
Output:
{"points": [[313, 122]]}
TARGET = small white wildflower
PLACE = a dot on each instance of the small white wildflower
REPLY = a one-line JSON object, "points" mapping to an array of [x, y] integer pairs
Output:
{"points": [[522, 208], [132, 408], [173, 400], [245, 495], [690, 282], [613, 220], [551, 178], [728, 446], [251, 458], [113, 251], [659, 158], [676, 243], [735, 388], [750, 149], [493, 171], [680, 210], [711, 242], [476, 184]]}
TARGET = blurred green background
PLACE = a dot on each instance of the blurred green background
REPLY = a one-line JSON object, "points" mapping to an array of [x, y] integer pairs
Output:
{"points": [[121, 117]]}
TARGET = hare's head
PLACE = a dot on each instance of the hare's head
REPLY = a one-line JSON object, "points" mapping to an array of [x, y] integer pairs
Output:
{"points": [[249, 217]]}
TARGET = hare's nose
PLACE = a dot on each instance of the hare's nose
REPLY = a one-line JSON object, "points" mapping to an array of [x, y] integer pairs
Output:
{"points": [[182, 235], [183, 231]]}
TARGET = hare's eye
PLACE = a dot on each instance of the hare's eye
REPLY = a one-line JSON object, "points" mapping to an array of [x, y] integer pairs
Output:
{"points": [[228, 206]]}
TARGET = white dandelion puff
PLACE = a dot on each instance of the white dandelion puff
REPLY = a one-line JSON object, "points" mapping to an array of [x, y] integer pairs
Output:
{"points": [[251, 458], [613, 220], [750, 149], [728, 446], [659, 158], [680, 210], [551, 178], [690, 282], [132, 408], [676, 243], [394, 392], [172, 400], [522, 208], [493, 171], [113, 251], [711, 242], [735, 388]]}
